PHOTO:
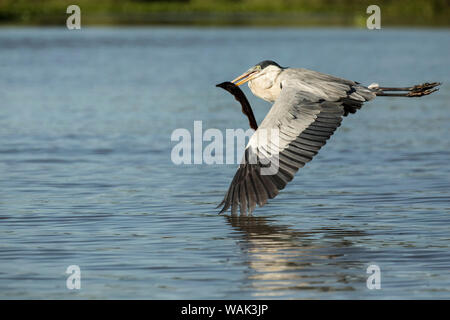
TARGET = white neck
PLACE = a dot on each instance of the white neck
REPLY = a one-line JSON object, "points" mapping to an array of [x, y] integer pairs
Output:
{"points": [[266, 85]]}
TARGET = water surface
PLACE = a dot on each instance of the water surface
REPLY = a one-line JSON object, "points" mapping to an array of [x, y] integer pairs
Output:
{"points": [[86, 177]]}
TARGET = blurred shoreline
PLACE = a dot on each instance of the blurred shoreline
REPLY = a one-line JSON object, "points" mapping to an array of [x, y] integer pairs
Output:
{"points": [[294, 13]]}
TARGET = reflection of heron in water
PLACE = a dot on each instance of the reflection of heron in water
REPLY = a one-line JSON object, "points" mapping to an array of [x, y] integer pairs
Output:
{"points": [[283, 259], [308, 106]]}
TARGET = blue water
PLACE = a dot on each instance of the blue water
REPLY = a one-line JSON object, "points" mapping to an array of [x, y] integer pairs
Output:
{"points": [[86, 176]]}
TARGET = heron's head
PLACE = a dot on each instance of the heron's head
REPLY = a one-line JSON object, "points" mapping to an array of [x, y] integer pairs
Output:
{"points": [[266, 71]]}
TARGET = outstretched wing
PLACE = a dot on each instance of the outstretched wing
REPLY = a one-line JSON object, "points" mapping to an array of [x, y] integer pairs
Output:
{"points": [[304, 122]]}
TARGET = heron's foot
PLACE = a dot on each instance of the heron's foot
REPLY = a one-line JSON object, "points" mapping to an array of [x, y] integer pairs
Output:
{"points": [[424, 86], [419, 90]]}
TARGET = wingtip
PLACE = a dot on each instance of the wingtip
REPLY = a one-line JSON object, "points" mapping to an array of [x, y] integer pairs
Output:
{"points": [[224, 207]]}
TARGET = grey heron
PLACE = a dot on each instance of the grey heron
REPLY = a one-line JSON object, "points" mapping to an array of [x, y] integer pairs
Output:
{"points": [[308, 106]]}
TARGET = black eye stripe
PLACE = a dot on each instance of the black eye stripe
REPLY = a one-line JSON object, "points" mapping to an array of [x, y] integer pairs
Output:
{"points": [[267, 63]]}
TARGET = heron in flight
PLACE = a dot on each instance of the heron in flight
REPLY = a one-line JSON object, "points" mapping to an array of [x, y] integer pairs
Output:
{"points": [[307, 108]]}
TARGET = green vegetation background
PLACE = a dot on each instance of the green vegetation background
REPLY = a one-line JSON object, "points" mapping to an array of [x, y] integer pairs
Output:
{"points": [[227, 12]]}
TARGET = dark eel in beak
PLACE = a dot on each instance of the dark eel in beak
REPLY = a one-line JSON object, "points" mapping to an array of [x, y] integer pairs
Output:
{"points": [[242, 99]]}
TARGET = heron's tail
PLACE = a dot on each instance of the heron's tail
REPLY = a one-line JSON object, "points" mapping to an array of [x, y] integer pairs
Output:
{"points": [[414, 91]]}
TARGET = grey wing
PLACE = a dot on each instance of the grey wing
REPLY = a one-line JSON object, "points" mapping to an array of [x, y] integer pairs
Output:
{"points": [[304, 123], [330, 88]]}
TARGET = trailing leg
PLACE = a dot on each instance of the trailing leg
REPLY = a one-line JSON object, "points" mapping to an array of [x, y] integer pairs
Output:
{"points": [[414, 91]]}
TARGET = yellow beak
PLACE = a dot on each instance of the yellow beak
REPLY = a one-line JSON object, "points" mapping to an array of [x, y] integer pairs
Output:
{"points": [[243, 78]]}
